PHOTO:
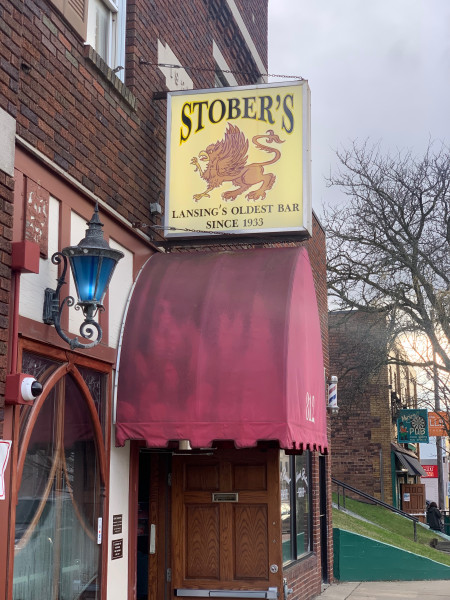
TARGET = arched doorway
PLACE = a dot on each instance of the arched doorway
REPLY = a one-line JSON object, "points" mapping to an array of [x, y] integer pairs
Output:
{"points": [[61, 483]]}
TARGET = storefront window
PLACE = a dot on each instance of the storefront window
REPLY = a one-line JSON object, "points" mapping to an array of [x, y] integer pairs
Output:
{"points": [[295, 505], [56, 553], [41, 368], [96, 383]]}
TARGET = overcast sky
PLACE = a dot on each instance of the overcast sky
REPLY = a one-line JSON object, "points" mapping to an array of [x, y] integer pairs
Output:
{"points": [[377, 69]]}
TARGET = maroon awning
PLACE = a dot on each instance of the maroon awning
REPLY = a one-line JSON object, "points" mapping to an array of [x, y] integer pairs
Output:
{"points": [[223, 346]]}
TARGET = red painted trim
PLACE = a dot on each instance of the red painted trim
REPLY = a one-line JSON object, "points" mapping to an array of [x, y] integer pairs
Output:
{"points": [[13, 500], [105, 540], [39, 332], [5, 505], [13, 340]]}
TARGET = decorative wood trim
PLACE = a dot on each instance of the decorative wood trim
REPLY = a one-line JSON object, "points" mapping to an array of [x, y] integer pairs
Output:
{"points": [[70, 362], [36, 215], [64, 187], [33, 331]]}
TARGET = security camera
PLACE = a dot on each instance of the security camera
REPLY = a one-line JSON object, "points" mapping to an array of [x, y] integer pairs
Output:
{"points": [[30, 388], [21, 388]]}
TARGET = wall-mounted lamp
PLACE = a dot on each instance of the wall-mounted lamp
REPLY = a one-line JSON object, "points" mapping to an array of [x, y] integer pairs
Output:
{"points": [[92, 263], [332, 407]]}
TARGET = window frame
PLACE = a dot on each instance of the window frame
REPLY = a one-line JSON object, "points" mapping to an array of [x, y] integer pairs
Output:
{"points": [[65, 363], [295, 554], [115, 45]]}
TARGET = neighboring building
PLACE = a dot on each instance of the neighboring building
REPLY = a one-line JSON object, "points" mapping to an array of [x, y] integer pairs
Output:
{"points": [[370, 392], [204, 466], [428, 460]]}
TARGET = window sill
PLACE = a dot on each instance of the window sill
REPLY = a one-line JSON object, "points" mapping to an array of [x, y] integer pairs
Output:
{"points": [[111, 77], [295, 562]]}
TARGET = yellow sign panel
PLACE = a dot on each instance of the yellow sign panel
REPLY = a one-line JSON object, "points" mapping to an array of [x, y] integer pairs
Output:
{"points": [[238, 161]]}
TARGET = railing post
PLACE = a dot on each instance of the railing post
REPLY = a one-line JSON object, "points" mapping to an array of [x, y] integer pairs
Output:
{"points": [[339, 503], [415, 531], [343, 495]]}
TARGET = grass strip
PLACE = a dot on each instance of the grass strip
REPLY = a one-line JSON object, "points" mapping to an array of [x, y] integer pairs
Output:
{"points": [[389, 528]]}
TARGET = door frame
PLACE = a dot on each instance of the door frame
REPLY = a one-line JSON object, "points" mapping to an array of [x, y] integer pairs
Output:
{"points": [[226, 457]]}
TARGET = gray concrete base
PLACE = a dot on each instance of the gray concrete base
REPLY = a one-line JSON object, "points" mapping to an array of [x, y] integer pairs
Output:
{"points": [[388, 590]]}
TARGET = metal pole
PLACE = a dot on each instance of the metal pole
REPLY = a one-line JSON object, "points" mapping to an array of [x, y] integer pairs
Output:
{"points": [[437, 408]]}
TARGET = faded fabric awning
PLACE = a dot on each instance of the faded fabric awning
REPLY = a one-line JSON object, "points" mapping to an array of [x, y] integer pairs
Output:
{"points": [[223, 346], [409, 462]]}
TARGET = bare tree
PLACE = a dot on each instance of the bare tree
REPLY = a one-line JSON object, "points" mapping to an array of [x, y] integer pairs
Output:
{"points": [[388, 245]]}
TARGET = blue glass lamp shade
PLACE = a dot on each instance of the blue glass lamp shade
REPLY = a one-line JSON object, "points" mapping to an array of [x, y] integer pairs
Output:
{"points": [[93, 263], [92, 274]]}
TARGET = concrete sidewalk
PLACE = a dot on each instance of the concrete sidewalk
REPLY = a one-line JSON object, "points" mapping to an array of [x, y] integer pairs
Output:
{"points": [[388, 590]]}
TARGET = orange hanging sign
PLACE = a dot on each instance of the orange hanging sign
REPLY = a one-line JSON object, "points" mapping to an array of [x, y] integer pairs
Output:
{"points": [[438, 424]]}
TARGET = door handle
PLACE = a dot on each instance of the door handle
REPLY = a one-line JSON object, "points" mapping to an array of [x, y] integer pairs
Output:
{"points": [[152, 541], [286, 591]]}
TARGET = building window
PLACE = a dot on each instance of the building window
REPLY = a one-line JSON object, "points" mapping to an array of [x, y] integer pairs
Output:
{"points": [[101, 23], [106, 31], [295, 505]]}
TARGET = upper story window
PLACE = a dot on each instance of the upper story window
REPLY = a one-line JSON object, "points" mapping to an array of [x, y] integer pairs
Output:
{"points": [[101, 23], [106, 31]]}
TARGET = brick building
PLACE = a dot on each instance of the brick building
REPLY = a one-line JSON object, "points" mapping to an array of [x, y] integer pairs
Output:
{"points": [[365, 452], [85, 515]]}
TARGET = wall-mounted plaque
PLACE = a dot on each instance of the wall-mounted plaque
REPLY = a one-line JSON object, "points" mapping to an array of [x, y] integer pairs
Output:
{"points": [[117, 524], [117, 549]]}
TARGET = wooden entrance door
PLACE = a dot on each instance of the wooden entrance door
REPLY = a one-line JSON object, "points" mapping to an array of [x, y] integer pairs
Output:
{"points": [[231, 541], [413, 499]]}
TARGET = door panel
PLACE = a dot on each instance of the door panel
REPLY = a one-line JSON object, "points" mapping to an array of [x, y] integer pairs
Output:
{"points": [[251, 545], [202, 541], [231, 544]]}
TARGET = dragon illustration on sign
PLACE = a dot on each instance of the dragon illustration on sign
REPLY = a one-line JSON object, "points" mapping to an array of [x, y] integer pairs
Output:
{"points": [[227, 161]]}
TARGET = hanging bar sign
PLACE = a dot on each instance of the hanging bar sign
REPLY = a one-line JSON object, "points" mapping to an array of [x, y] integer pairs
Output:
{"points": [[412, 426], [238, 161]]}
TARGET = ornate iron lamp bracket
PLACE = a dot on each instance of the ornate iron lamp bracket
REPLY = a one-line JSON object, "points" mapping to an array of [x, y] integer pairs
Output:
{"points": [[53, 310]]}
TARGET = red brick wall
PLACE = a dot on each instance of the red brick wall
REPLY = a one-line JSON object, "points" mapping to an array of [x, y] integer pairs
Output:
{"points": [[362, 431], [317, 256], [10, 70], [6, 207], [254, 14]]}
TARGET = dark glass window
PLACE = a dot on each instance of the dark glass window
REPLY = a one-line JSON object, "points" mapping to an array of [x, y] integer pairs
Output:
{"points": [[295, 483], [41, 368]]}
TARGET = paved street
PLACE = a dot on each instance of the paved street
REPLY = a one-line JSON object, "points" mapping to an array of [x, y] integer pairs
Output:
{"points": [[388, 590]]}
